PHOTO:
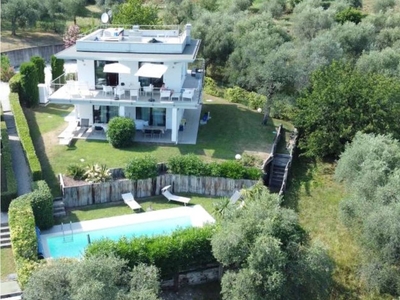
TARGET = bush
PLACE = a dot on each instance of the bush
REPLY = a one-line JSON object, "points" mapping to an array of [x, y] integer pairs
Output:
{"points": [[180, 251], [141, 168], [189, 164], [76, 171], [57, 67], [23, 237], [40, 65], [121, 132], [232, 169], [15, 84], [9, 191], [29, 84], [282, 107], [256, 100], [6, 70], [97, 173], [236, 95], [349, 14], [24, 135], [211, 88], [42, 205]]}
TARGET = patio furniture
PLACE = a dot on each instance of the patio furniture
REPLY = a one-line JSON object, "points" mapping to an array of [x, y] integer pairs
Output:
{"points": [[173, 197], [107, 89], [119, 91], [130, 201], [188, 94], [148, 89], [235, 197], [165, 94], [134, 93]]}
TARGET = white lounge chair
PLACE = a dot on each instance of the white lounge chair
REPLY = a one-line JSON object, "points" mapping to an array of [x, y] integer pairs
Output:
{"points": [[130, 201], [173, 197]]}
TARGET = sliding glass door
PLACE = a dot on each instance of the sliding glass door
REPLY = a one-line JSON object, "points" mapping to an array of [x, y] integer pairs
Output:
{"points": [[155, 116], [103, 114]]}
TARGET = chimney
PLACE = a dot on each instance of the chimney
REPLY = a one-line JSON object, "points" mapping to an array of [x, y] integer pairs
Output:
{"points": [[188, 29]]}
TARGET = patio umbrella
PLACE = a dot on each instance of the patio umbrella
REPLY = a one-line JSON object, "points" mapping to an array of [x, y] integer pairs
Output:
{"points": [[116, 68], [151, 70]]}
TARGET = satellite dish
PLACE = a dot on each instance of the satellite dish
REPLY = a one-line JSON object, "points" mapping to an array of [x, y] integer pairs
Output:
{"points": [[105, 18]]}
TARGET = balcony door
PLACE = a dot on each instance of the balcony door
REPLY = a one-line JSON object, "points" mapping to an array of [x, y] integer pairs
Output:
{"points": [[103, 114], [155, 116], [102, 78]]}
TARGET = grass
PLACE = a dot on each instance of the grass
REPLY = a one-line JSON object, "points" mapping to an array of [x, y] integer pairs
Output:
{"points": [[315, 196], [233, 129], [106, 210], [7, 263]]}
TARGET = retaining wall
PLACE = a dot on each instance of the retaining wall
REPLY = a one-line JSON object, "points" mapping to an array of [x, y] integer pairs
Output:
{"points": [[17, 57]]}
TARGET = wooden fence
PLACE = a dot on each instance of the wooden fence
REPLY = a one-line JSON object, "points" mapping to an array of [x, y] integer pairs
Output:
{"points": [[93, 193]]}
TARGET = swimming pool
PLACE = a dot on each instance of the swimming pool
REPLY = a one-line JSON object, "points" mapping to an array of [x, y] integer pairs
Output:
{"points": [[75, 238]]}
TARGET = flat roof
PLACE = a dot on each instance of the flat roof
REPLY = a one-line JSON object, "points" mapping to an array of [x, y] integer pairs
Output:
{"points": [[189, 55]]}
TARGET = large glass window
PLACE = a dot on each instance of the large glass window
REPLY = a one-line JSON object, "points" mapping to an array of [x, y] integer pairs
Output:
{"points": [[155, 116], [103, 114], [146, 81], [102, 78]]}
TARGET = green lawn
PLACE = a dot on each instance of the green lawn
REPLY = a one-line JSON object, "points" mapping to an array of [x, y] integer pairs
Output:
{"points": [[233, 129], [106, 210], [7, 263]]}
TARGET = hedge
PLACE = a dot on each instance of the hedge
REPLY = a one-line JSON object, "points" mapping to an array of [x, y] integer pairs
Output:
{"points": [[183, 250], [23, 237], [141, 168], [10, 192], [29, 84], [24, 135], [42, 205], [40, 65]]}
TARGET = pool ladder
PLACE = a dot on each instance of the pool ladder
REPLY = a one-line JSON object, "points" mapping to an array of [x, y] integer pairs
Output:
{"points": [[66, 237]]}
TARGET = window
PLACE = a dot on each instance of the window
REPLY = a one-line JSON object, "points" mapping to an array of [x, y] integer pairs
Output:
{"points": [[102, 78], [103, 114], [155, 116], [146, 81]]}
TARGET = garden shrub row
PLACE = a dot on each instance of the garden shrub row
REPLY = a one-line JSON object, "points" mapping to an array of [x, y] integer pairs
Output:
{"points": [[25, 137], [250, 99], [191, 164], [183, 250], [23, 237], [9, 187], [42, 205]]}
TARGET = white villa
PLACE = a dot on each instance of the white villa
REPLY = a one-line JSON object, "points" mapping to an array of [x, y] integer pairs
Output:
{"points": [[149, 74]]}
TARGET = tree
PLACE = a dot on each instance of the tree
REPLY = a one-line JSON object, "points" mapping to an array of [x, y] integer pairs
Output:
{"points": [[74, 8], [386, 62], [29, 84], [40, 66], [135, 12], [179, 12], [96, 277], [57, 67], [342, 101], [71, 36], [350, 14], [267, 254], [121, 132], [19, 13]]}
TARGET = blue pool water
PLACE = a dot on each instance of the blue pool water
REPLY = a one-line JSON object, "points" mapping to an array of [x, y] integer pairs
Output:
{"points": [[75, 247]]}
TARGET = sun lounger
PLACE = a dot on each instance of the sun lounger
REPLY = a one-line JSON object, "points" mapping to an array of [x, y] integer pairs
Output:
{"points": [[235, 197], [173, 197], [130, 201]]}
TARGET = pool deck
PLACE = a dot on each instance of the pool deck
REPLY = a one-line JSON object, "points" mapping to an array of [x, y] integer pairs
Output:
{"points": [[199, 217]]}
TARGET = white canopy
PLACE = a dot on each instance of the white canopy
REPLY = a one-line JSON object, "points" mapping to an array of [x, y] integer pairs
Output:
{"points": [[151, 70], [116, 68]]}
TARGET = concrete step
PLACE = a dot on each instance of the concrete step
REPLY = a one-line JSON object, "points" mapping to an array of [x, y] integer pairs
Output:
{"points": [[4, 229], [4, 235], [5, 245], [59, 214], [58, 204], [18, 297], [57, 209]]}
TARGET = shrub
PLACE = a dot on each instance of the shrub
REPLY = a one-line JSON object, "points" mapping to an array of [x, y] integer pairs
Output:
{"points": [[121, 132], [211, 88], [24, 135], [15, 84], [76, 171], [282, 107], [256, 100], [349, 14], [236, 95], [97, 173], [232, 169], [42, 205], [57, 67], [40, 65], [71, 35], [6, 70], [189, 164], [252, 173], [141, 168], [9, 190], [180, 251], [29, 84], [23, 237]]}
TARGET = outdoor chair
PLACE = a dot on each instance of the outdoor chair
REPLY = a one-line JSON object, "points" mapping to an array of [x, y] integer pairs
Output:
{"points": [[107, 89], [148, 89], [134, 93], [167, 194], [130, 201], [235, 197]]}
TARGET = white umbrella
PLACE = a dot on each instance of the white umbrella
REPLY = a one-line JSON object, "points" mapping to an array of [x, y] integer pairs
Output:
{"points": [[151, 70], [116, 68]]}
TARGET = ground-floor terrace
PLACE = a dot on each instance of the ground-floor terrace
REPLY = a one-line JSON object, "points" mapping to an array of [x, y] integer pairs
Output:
{"points": [[186, 133]]}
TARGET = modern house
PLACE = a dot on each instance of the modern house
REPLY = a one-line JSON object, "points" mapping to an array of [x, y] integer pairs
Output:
{"points": [[149, 74]]}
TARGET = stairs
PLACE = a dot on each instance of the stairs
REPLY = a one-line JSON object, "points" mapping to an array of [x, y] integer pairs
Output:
{"points": [[278, 171], [58, 208], [5, 240]]}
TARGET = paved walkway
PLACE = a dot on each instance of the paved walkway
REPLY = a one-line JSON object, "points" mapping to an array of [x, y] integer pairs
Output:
{"points": [[20, 167]]}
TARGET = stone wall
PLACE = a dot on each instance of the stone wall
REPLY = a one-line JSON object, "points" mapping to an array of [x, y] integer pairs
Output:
{"points": [[18, 56]]}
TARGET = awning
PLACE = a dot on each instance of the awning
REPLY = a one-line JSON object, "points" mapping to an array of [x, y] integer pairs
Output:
{"points": [[116, 68], [151, 70]]}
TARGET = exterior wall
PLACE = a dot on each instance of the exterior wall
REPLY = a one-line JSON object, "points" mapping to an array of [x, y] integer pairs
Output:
{"points": [[86, 72], [129, 78], [172, 77], [84, 112]]}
